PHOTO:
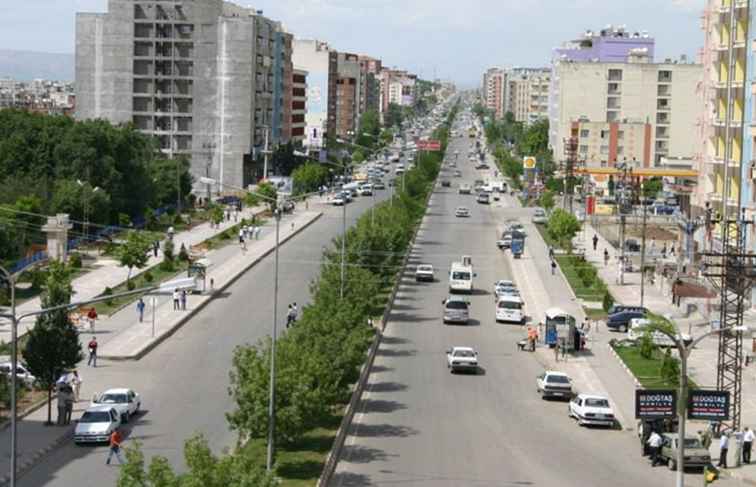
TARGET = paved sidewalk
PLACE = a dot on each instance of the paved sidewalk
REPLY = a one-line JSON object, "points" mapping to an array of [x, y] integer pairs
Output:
{"points": [[122, 336], [109, 273]]}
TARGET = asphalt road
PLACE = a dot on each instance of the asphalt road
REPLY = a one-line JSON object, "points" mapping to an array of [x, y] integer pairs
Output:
{"points": [[419, 425], [184, 381]]}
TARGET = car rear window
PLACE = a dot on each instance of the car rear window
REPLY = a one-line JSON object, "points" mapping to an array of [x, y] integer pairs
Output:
{"points": [[557, 379], [95, 417], [456, 305], [597, 403]]}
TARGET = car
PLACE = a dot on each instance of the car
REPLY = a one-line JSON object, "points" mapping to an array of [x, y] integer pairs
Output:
{"points": [[620, 321], [462, 359], [379, 185], [591, 410], [338, 200], [501, 286], [424, 272], [127, 402], [696, 455], [366, 191], [505, 241], [482, 166], [22, 373], [483, 198], [445, 183], [456, 310], [554, 384], [96, 424], [461, 211], [539, 216], [457, 174]]}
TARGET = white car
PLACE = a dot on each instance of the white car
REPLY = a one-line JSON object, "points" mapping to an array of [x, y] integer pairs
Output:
{"points": [[22, 373], [96, 424], [591, 410], [126, 401], [465, 189], [539, 216], [461, 211], [424, 272], [462, 359], [554, 384], [505, 288], [505, 242]]}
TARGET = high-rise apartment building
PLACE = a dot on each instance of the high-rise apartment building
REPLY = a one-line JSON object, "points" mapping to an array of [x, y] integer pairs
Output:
{"points": [[494, 82], [319, 60], [350, 80], [611, 44], [618, 96], [397, 87], [207, 79], [526, 93], [298, 105]]}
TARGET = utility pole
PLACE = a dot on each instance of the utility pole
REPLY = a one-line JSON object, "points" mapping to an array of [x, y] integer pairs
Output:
{"points": [[266, 151], [343, 241], [643, 247], [272, 398]]}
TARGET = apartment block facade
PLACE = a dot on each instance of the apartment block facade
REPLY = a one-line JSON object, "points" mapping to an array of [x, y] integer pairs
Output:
{"points": [[662, 97], [526, 93], [298, 105], [208, 79], [397, 87], [494, 81]]}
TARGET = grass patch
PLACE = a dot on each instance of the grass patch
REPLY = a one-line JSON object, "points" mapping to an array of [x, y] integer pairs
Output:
{"points": [[158, 275], [581, 276], [595, 313], [299, 464], [647, 371]]}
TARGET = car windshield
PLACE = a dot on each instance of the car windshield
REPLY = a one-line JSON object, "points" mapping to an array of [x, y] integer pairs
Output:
{"points": [[596, 403], [693, 443], [557, 379], [425, 268], [95, 417], [113, 399], [461, 276], [464, 353], [456, 305]]}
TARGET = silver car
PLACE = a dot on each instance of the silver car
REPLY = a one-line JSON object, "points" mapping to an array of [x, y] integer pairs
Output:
{"points": [[456, 310]]}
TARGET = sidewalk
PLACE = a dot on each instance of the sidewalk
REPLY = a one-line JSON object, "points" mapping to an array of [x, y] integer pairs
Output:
{"points": [[109, 273], [123, 337]]}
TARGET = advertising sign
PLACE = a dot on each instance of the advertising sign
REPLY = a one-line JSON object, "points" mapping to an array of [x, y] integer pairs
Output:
{"points": [[709, 405], [655, 403], [429, 145], [529, 162]]}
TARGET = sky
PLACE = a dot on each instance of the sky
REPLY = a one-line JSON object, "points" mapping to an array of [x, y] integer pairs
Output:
{"points": [[451, 39]]}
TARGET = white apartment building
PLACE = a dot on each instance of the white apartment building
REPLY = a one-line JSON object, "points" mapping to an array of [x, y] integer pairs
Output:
{"points": [[526, 93]]}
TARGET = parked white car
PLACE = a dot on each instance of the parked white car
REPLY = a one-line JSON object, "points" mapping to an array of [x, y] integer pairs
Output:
{"points": [[22, 373], [462, 359], [539, 216], [126, 401], [589, 409], [96, 424], [554, 384], [424, 272]]}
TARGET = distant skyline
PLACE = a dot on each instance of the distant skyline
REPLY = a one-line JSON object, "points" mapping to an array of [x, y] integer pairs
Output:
{"points": [[452, 40]]}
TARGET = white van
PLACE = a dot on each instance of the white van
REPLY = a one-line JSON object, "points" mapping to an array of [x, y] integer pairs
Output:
{"points": [[461, 278], [509, 309]]}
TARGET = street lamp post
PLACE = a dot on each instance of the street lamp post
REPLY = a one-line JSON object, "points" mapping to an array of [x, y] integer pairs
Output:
{"points": [[643, 249], [272, 399], [684, 347]]}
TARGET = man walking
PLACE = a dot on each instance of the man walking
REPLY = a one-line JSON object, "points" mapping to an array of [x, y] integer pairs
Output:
{"points": [[724, 445], [140, 309], [289, 317], [175, 299], [294, 312], [553, 267], [92, 316], [115, 447], [654, 445], [92, 346], [606, 257], [747, 444], [61, 403], [76, 381], [595, 242], [69, 402], [183, 299], [155, 248]]}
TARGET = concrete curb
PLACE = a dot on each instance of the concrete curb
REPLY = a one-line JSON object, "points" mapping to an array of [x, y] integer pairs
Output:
{"points": [[205, 300], [38, 455], [627, 369]]}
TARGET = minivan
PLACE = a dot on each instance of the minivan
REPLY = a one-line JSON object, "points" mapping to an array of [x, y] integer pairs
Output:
{"points": [[456, 310]]}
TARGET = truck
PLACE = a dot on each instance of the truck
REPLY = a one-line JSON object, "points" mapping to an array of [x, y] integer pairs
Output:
{"points": [[518, 244]]}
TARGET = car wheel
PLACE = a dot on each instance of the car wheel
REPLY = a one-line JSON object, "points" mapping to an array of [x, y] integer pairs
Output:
{"points": [[623, 328], [671, 464]]}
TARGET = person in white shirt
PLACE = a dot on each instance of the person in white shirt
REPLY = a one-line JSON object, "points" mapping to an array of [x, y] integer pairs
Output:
{"points": [[747, 444], [654, 445], [724, 445]]}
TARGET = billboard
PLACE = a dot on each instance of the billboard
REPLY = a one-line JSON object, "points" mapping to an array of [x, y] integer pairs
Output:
{"points": [[429, 145], [655, 403], [529, 162], [709, 405]]}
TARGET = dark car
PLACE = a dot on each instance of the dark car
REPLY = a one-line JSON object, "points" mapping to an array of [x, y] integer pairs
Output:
{"points": [[616, 308], [620, 321], [632, 245], [445, 183]]}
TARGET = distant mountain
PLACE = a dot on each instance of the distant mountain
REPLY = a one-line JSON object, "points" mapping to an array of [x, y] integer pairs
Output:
{"points": [[29, 65]]}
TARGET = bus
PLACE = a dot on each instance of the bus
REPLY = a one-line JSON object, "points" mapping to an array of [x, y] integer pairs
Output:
{"points": [[509, 309], [461, 277]]}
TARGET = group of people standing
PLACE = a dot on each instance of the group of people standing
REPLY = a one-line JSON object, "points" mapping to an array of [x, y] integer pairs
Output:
{"points": [[248, 232], [67, 387]]}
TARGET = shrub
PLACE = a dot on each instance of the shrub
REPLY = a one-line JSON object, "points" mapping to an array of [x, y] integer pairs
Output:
{"points": [[74, 260], [183, 255], [608, 301], [130, 285], [168, 249], [670, 368], [108, 292], [646, 345], [148, 277]]}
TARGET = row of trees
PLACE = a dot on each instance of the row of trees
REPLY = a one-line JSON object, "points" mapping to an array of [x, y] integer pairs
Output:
{"points": [[320, 357], [92, 170]]}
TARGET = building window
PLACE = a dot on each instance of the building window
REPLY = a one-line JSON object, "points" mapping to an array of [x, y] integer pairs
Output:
{"points": [[620, 134], [604, 149], [604, 134], [584, 133], [615, 75], [665, 76], [620, 150], [583, 149]]}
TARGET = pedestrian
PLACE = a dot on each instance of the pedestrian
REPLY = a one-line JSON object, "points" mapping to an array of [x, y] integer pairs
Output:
{"points": [[294, 311], [76, 381], [747, 444], [556, 351], [664, 251], [212, 284], [236, 215], [551, 252], [292, 226], [724, 445], [115, 447], [654, 445], [606, 257], [241, 239], [228, 215], [92, 317], [257, 233], [140, 309], [706, 438], [61, 403], [595, 242], [155, 248], [69, 402], [563, 349], [183, 299], [92, 346], [553, 267], [288, 317], [176, 297]]}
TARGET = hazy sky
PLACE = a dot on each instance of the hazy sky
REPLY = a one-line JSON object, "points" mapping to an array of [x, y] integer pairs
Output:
{"points": [[455, 39]]}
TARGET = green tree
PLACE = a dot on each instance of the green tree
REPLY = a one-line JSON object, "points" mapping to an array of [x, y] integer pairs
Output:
{"points": [[646, 345], [546, 200], [370, 129], [652, 187], [562, 228], [394, 116], [307, 178], [269, 193], [134, 252], [53, 344], [167, 175], [670, 368]]}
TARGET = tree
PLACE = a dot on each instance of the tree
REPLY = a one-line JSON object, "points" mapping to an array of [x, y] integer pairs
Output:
{"points": [[562, 228], [204, 469], [652, 187], [53, 344], [547, 200], [307, 178], [393, 116], [370, 129], [167, 175], [134, 252], [283, 159], [269, 193]]}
